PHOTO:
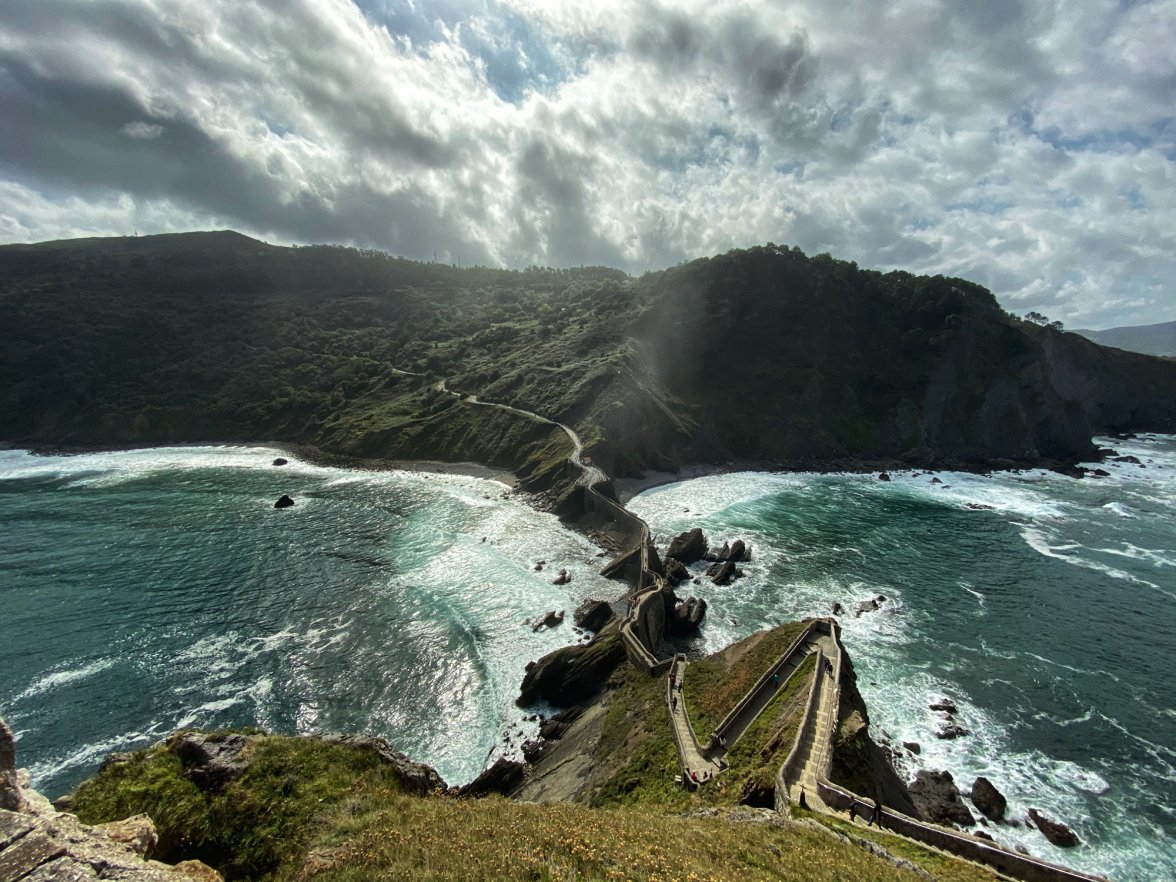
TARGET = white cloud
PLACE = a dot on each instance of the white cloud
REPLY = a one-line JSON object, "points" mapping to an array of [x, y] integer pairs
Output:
{"points": [[1029, 146]]}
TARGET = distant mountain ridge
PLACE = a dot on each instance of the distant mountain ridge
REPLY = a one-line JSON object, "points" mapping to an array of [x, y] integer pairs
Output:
{"points": [[1157, 339], [758, 355]]}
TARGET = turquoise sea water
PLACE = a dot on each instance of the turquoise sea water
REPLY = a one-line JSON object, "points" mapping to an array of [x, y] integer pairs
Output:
{"points": [[147, 590], [1048, 615]]}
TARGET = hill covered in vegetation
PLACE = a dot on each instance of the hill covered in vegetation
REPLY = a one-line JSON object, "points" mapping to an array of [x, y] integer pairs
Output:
{"points": [[763, 354]]}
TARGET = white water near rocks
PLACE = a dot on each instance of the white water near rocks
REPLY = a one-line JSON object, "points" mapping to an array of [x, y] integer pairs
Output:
{"points": [[1040, 604], [145, 591]]}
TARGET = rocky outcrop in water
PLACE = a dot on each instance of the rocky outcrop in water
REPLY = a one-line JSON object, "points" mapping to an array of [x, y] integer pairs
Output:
{"points": [[990, 801], [938, 798], [1055, 831], [688, 547], [284, 502], [686, 616], [502, 777], [592, 615], [572, 673]]}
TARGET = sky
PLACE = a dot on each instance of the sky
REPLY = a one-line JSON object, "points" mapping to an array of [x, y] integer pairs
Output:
{"points": [[1027, 145]]}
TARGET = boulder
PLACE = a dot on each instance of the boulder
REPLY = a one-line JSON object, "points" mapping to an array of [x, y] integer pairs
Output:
{"points": [[724, 553], [416, 779], [913, 747], [951, 730], [562, 579], [1100, 473], [592, 615], [676, 570], [548, 620], [883, 477], [280, 462], [946, 705], [1055, 831], [936, 481], [838, 609], [980, 834], [938, 800], [284, 502], [988, 799], [737, 551], [211, 761], [688, 547], [724, 573], [572, 673], [10, 798], [137, 832], [1129, 459], [687, 616], [198, 871], [502, 777]]}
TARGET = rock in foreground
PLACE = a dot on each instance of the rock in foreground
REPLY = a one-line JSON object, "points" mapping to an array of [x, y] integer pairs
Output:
{"points": [[938, 800], [572, 673]]}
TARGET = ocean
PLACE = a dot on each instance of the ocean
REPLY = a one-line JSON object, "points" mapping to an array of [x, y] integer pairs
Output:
{"points": [[144, 591]]}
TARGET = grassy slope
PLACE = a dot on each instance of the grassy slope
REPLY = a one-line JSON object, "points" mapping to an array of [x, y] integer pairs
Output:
{"points": [[311, 810]]}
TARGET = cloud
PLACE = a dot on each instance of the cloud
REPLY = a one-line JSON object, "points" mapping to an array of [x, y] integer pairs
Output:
{"points": [[1031, 147]]}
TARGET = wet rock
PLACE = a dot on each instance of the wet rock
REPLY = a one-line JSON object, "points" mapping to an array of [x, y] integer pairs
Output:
{"points": [[938, 800], [979, 506], [1055, 831], [980, 834], [913, 747], [951, 730], [1100, 473], [572, 673], [676, 571], [936, 481], [945, 705], [1128, 459], [724, 573], [687, 616], [884, 476], [990, 801], [280, 461], [549, 619], [562, 579], [865, 606], [284, 502], [592, 615], [502, 777], [737, 551], [539, 565], [688, 547], [724, 553], [838, 609]]}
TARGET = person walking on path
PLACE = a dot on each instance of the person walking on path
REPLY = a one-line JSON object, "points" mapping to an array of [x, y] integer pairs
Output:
{"points": [[803, 801], [876, 815], [853, 810]]}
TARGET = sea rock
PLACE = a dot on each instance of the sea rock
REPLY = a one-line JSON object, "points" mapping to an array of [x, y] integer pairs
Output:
{"points": [[951, 730], [548, 620], [562, 579], [284, 502], [539, 564], [10, 798], [137, 832], [687, 616], [688, 547], [990, 801], [1055, 831], [502, 777], [838, 609], [572, 673], [676, 570], [979, 506], [592, 615], [414, 778], [724, 573], [1100, 473], [865, 606], [980, 834], [737, 551], [884, 477], [280, 462], [936, 481], [724, 553], [945, 705], [938, 799], [913, 747], [211, 761], [1129, 459]]}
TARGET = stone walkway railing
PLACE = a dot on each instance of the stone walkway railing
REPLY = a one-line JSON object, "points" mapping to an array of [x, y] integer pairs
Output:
{"points": [[813, 753]]}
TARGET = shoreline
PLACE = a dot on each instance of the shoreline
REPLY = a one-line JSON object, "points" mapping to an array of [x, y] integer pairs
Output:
{"points": [[307, 453]]}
